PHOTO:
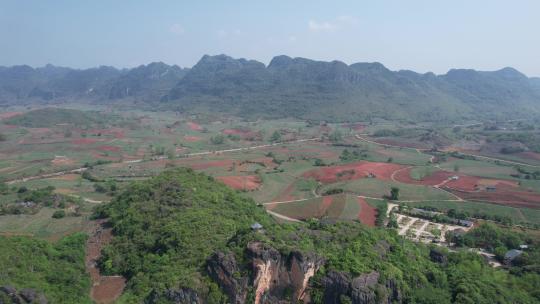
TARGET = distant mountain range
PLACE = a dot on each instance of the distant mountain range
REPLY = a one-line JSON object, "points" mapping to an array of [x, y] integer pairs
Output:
{"points": [[296, 87]]}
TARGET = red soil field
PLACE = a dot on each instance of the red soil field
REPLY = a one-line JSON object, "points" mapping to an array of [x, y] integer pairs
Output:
{"points": [[109, 148], [351, 171], [504, 195], [108, 289], [327, 202], [464, 183], [192, 138], [250, 182], [7, 115], [84, 141], [368, 213], [194, 126]]}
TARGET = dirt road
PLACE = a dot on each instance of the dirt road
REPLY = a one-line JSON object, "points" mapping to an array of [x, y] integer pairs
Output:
{"points": [[188, 155]]}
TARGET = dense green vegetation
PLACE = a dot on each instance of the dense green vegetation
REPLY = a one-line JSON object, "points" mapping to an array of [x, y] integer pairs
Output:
{"points": [[23, 200], [179, 218], [56, 269], [167, 227], [529, 139]]}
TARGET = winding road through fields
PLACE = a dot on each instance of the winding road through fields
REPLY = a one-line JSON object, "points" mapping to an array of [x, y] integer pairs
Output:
{"points": [[187, 155]]}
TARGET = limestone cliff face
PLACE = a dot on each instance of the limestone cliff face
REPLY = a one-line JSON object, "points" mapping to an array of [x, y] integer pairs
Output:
{"points": [[224, 269], [11, 295], [176, 296], [275, 278], [360, 290]]}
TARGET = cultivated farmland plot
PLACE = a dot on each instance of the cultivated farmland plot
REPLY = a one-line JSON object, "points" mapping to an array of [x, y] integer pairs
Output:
{"points": [[288, 172]]}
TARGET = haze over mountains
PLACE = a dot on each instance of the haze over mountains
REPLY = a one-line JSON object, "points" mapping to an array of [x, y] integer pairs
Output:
{"points": [[286, 87]]}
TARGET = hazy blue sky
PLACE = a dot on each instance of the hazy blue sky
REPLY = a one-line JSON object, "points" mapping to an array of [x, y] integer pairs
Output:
{"points": [[402, 34]]}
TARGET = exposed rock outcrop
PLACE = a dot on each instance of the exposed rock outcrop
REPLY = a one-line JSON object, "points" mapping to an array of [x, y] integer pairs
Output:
{"points": [[336, 284], [27, 295], [275, 278], [437, 256], [278, 277], [360, 290], [224, 269], [176, 296]]}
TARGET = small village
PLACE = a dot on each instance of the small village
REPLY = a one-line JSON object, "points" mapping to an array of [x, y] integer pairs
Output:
{"points": [[414, 225]]}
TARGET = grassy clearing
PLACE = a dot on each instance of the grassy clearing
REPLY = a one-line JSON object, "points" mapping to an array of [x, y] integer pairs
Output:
{"points": [[351, 209], [273, 185], [418, 173], [401, 156], [479, 168], [306, 209], [377, 188], [376, 203], [41, 224], [342, 207], [529, 184]]}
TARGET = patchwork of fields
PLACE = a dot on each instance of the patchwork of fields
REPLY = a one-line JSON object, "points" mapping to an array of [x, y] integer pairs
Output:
{"points": [[292, 167]]}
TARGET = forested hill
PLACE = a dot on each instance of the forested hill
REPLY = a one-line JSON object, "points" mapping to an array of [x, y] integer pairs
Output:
{"points": [[22, 84], [182, 237], [336, 91], [286, 87]]}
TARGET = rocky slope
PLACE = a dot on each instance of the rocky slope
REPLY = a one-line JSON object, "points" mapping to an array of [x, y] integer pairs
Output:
{"points": [[274, 276]]}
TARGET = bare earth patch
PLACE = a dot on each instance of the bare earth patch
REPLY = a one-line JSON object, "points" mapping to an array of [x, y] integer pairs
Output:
{"points": [[194, 126], [368, 213], [247, 182], [7, 115], [62, 161], [105, 289], [192, 138]]}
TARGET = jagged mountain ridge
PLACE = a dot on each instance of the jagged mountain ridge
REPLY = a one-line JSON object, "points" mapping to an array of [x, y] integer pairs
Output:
{"points": [[333, 90], [49, 83], [287, 87]]}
